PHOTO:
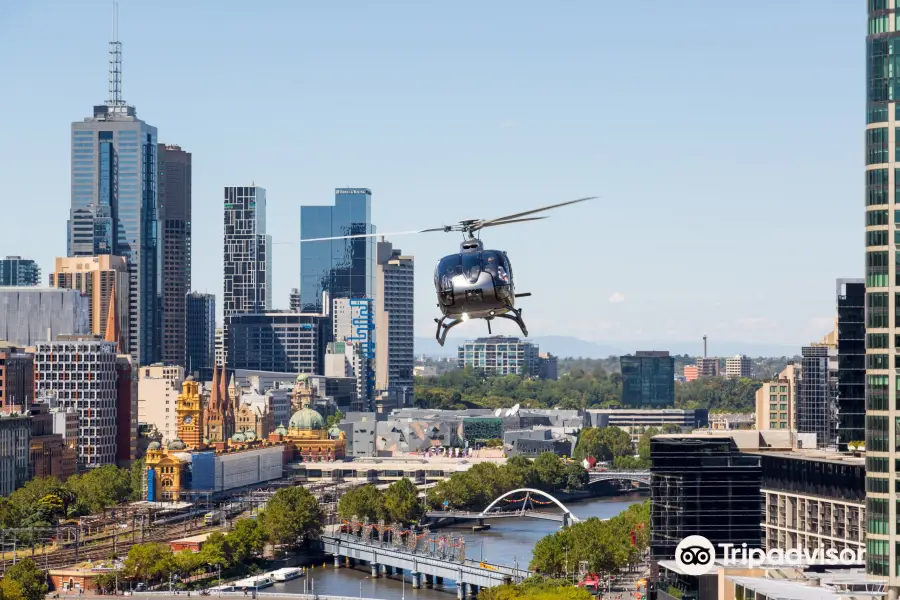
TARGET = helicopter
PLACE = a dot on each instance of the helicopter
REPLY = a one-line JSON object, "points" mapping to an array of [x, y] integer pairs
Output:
{"points": [[474, 283]]}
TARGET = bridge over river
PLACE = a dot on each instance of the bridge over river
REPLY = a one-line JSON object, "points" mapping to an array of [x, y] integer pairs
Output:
{"points": [[565, 517]]}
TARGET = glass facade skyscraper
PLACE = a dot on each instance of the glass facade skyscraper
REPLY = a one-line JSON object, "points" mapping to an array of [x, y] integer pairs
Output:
{"points": [[851, 356], [114, 205], [200, 334], [882, 192], [343, 268], [648, 379]]}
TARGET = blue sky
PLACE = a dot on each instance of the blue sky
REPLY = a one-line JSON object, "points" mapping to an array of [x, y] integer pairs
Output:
{"points": [[725, 141]]}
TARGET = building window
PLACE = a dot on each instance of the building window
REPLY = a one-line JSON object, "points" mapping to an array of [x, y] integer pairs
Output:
{"points": [[877, 217], [877, 309], [877, 340], [877, 269], [877, 113], [878, 237], [876, 434], [877, 516], [876, 187], [877, 146]]}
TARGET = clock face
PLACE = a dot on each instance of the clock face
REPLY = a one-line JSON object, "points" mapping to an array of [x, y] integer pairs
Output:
{"points": [[188, 420]]}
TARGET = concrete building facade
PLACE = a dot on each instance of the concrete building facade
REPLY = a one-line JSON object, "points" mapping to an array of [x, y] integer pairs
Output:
{"points": [[32, 315], [776, 401], [738, 367], [394, 310], [101, 279], [81, 374], [158, 389]]}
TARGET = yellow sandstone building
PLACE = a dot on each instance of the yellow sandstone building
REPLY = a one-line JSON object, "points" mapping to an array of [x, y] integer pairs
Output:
{"points": [[193, 466]]}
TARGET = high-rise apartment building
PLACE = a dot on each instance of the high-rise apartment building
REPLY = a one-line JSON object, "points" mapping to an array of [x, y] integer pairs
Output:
{"points": [[851, 356], [394, 304], [16, 378], [707, 367], [738, 367], [776, 401], [15, 451], [343, 268], [882, 181], [15, 270], [500, 355], [248, 252], [102, 279], [648, 379], [355, 339], [114, 203], [59, 369], [201, 334], [174, 190], [220, 346]]}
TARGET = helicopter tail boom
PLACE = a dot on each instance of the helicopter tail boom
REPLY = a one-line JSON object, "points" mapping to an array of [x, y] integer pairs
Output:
{"points": [[523, 295]]}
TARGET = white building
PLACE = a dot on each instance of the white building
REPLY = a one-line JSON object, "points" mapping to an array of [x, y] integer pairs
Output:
{"points": [[738, 367], [158, 389], [352, 354], [81, 373]]}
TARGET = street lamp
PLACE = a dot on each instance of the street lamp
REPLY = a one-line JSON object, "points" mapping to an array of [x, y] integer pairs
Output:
{"points": [[360, 585]]}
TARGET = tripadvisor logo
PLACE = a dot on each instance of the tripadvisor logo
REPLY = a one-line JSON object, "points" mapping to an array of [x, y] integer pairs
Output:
{"points": [[696, 555]]}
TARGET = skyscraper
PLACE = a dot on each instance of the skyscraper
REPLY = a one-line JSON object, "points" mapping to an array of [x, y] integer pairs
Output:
{"points": [[648, 379], [201, 334], [114, 202], [394, 302], [174, 190], [882, 175], [343, 268], [816, 392], [16, 271], [248, 252], [851, 355]]}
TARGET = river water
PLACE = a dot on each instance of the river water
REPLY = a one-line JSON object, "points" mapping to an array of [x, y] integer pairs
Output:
{"points": [[508, 542]]}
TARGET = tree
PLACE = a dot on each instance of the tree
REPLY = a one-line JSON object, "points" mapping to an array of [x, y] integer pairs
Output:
{"points": [[148, 562], [292, 516], [216, 550], [136, 478], [550, 471], [24, 581], [246, 539], [644, 443], [365, 502], [536, 588], [576, 476], [401, 502], [334, 419]]}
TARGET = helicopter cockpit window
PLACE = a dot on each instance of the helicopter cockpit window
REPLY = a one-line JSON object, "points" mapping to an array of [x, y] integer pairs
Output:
{"points": [[495, 264], [447, 269], [471, 264]]}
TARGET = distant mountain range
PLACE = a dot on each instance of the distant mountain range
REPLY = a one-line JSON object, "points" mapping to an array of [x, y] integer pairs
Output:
{"points": [[566, 346]]}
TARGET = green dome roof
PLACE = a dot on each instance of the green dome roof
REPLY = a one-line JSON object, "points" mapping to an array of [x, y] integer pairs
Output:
{"points": [[154, 446], [281, 429], [306, 418], [334, 432], [176, 444], [238, 437], [249, 435]]}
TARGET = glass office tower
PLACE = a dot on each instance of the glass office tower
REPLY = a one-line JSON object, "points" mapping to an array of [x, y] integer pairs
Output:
{"points": [[343, 268], [114, 204], [882, 192], [648, 379]]}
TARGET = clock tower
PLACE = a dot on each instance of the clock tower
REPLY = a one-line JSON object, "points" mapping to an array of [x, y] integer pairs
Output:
{"points": [[189, 410]]}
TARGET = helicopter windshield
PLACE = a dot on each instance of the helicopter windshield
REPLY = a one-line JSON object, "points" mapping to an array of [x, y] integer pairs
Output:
{"points": [[446, 269], [471, 264], [495, 264]]}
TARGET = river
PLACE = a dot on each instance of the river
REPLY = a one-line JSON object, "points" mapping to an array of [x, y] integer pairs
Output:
{"points": [[509, 541]]}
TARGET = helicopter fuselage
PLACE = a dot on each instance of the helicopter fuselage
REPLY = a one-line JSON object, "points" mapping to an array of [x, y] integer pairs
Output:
{"points": [[474, 283]]}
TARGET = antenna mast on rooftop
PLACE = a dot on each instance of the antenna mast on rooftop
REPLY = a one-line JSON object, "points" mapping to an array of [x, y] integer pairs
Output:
{"points": [[115, 63]]}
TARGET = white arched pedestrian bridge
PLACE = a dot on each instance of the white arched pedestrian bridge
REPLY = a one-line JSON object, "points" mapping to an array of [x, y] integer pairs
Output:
{"points": [[613, 475], [526, 510]]}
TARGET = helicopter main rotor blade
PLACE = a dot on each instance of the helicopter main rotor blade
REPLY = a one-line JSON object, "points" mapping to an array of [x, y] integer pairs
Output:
{"points": [[368, 235], [495, 224], [530, 212]]}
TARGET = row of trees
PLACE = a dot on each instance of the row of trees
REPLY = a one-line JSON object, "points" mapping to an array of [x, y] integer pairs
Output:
{"points": [[477, 487], [577, 389], [291, 517], [43, 501], [398, 503], [606, 546]]}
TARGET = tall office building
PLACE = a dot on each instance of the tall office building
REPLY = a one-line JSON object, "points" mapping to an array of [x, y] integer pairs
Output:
{"points": [[102, 279], [816, 392], [882, 177], [114, 202], [248, 252], [648, 379], [355, 344], [394, 295], [174, 190], [851, 356], [201, 334], [343, 268], [738, 367], [15, 271]]}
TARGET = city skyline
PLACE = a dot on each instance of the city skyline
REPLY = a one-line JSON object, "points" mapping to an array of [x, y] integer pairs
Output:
{"points": [[433, 154]]}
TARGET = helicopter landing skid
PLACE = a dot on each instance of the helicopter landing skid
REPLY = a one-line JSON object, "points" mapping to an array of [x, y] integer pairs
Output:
{"points": [[515, 316], [443, 328]]}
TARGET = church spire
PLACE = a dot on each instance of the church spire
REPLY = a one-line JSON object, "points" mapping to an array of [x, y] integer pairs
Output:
{"points": [[111, 334], [214, 399]]}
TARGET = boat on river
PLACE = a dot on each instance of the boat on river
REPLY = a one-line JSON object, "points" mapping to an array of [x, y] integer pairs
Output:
{"points": [[286, 574]]}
